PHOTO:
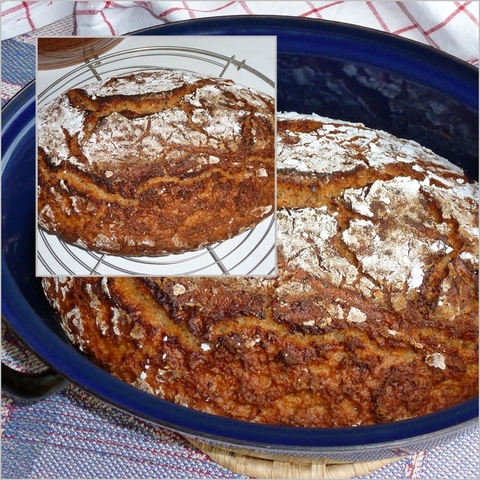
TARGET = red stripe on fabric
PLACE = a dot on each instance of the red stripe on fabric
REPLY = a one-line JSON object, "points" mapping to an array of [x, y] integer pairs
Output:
{"points": [[317, 9], [378, 17], [109, 25], [177, 9], [168, 12], [189, 10], [226, 5], [403, 7], [14, 9], [27, 11], [246, 8], [160, 15], [96, 11], [446, 21], [23, 6], [404, 29], [120, 5], [312, 6], [467, 12]]}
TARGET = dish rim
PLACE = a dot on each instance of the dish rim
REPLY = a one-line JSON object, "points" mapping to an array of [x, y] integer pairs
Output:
{"points": [[192, 422]]}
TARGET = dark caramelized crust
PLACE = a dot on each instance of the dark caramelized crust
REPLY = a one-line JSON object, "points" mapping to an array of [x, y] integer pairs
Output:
{"points": [[155, 163], [372, 318]]}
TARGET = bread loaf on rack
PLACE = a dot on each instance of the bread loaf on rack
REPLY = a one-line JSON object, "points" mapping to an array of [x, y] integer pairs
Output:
{"points": [[372, 318], [154, 163]]}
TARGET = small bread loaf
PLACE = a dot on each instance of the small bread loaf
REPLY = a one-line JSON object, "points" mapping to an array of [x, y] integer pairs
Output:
{"points": [[372, 318], [155, 163]]}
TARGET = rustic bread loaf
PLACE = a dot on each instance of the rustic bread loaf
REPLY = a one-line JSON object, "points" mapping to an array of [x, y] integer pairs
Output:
{"points": [[155, 163], [372, 318]]}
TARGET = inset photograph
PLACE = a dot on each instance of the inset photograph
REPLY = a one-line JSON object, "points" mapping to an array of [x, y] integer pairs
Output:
{"points": [[156, 156]]}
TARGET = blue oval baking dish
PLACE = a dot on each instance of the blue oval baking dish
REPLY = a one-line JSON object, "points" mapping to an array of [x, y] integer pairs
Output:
{"points": [[333, 69]]}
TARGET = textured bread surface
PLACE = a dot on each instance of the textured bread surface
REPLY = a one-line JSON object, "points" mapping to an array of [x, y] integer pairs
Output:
{"points": [[372, 318], [155, 163]]}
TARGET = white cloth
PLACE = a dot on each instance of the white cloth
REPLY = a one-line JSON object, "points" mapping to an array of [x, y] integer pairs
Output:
{"points": [[22, 17], [449, 26]]}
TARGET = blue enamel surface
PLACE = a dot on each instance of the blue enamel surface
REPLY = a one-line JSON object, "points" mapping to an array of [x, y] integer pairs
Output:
{"points": [[391, 53], [28, 314]]}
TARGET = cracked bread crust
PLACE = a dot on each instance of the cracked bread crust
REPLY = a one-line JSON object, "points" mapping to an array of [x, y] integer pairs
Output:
{"points": [[155, 163], [372, 318]]}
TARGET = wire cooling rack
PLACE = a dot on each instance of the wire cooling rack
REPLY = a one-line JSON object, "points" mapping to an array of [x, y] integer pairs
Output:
{"points": [[252, 253]]}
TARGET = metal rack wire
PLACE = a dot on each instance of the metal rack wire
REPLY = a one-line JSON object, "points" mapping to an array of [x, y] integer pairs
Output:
{"points": [[252, 253]]}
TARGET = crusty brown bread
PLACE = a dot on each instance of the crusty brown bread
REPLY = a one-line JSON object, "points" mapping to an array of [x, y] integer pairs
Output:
{"points": [[372, 318], [154, 163]]}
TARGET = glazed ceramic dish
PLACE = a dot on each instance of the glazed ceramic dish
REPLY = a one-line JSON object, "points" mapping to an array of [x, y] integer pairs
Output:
{"points": [[334, 70]]}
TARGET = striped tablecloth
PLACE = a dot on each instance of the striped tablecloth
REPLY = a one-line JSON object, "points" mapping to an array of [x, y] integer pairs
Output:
{"points": [[72, 434]]}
